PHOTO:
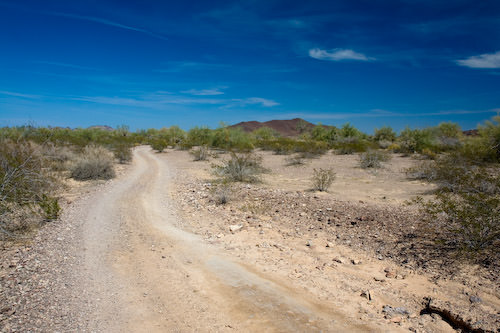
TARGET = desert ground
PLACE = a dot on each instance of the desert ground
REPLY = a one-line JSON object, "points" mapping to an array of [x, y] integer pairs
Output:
{"points": [[150, 251]]}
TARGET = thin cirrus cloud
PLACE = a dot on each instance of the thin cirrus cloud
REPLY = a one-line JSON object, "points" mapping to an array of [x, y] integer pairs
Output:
{"points": [[108, 23], [253, 101], [486, 60], [338, 55], [203, 92], [16, 94], [158, 101]]}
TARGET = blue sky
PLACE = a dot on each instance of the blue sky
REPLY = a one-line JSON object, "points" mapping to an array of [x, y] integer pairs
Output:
{"points": [[159, 63]]}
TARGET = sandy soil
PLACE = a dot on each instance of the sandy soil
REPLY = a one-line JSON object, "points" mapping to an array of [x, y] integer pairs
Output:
{"points": [[149, 252]]}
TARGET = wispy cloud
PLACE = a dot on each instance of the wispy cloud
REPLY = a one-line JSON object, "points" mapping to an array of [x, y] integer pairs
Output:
{"points": [[338, 55], [486, 60], [16, 94], [252, 101], [61, 64], [107, 22], [380, 113], [204, 92], [180, 66], [160, 100]]}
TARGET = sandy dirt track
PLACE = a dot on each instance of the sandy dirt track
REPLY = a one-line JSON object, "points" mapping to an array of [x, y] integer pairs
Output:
{"points": [[147, 274], [148, 252]]}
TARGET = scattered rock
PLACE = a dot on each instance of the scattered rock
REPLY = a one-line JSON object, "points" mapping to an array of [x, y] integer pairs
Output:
{"points": [[220, 235], [356, 262], [391, 312], [233, 228], [329, 244], [339, 260], [475, 299], [367, 294]]}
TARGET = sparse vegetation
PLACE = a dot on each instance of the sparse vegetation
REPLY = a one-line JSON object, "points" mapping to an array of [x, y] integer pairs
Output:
{"points": [[373, 159], [27, 188], [322, 179], [95, 162], [159, 144], [221, 192], [241, 167], [200, 153], [294, 160]]}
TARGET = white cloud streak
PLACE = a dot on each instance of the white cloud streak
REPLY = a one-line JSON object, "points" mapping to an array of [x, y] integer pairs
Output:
{"points": [[337, 55], [160, 100], [486, 60], [203, 92], [252, 101], [16, 94], [108, 23]]}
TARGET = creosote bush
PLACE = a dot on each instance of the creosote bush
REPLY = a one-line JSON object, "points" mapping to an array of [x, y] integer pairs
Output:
{"points": [[241, 167], [322, 179], [467, 200], [200, 154], [294, 160], [221, 192], [95, 162], [123, 152], [373, 159], [26, 189]]}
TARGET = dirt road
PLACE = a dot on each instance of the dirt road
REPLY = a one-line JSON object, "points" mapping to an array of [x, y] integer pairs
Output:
{"points": [[147, 274]]}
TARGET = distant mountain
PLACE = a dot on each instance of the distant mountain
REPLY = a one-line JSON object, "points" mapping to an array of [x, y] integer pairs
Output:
{"points": [[102, 127], [473, 132], [284, 127]]}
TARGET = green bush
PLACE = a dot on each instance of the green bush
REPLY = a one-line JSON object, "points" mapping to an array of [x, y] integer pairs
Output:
{"points": [[385, 133], [122, 151], [158, 144], [221, 192], [373, 159], [95, 162], [322, 179], [414, 141], [241, 167], [200, 154], [27, 188], [473, 217], [351, 145], [294, 160], [467, 199]]}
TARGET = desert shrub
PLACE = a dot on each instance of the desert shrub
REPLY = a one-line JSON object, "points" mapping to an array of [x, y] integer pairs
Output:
{"points": [[265, 133], [294, 160], [122, 152], [351, 145], [384, 144], [95, 162], [373, 159], [310, 148], [474, 218], [241, 167], [428, 154], [200, 154], [58, 157], [322, 179], [27, 187], [467, 199], [385, 133], [490, 132], [414, 141], [454, 173], [349, 131], [199, 136], [158, 144], [221, 192]]}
